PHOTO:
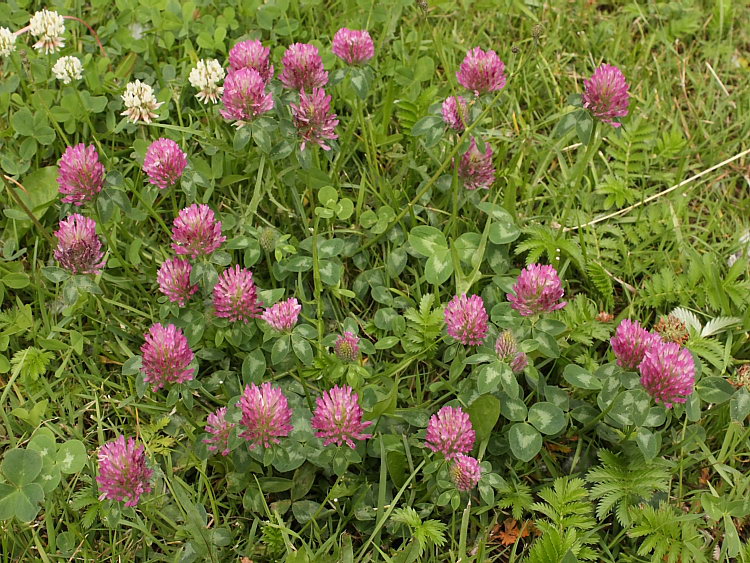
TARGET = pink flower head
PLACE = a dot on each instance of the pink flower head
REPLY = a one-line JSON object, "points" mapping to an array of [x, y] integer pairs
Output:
{"points": [[196, 231], [347, 347], [283, 316], [668, 373], [537, 290], [465, 472], [166, 356], [123, 474], [456, 113], [164, 163], [466, 318], [303, 68], [353, 46], [245, 97], [606, 95], [450, 432], [174, 280], [235, 295], [251, 54], [475, 167], [506, 348], [220, 429], [481, 72], [79, 249], [313, 118], [338, 417], [81, 175], [631, 342], [265, 415]]}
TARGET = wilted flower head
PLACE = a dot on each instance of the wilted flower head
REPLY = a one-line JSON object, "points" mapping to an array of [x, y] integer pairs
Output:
{"points": [[166, 356], [506, 348], [313, 118], [164, 163], [481, 72], [606, 95], [47, 27], [206, 77], [174, 280], [79, 249], [67, 69], [245, 97], [537, 290], [475, 167], [465, 472], [123, 474], [466, 318], [80, 174], [630, 343], [7, 41], [338, 417], [235, 295], [221, 430], [456, 112], [196, 231], [303, 68], [252, 54], [266, 415], [347, 347], [668, 373], [283, 316], [741, 377], [672, 329], [353, 46], [450, 432], [140, 102]]}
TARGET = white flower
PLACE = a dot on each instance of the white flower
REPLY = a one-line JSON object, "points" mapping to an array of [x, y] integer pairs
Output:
{"points": [[67, 69], [205, 77], [47, 26], [7, 41], [140, 102]]}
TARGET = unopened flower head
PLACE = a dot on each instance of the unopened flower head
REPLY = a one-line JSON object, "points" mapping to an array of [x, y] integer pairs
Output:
{"points": [[347, 347], [466, 319], [668, 373], [303, 68], [630, 343], [79, 249], [537, 290], [123, 473], [220, 430], [353, 46], [196, 231], [164, 163], [174, 280], [206, 77], [506, 348], [482, 72], [313, 118], [606, 95], [47, 27], [166, 356], [80, 174], [338, 417], [140, 102], [475, 167], [283, 316], [245, 97], [450, 432], [235, 295], [7, 42], [251, 54], [456, 112], [465, 472], [266, 415], [672, 329], [68, 69], [267, 239]]}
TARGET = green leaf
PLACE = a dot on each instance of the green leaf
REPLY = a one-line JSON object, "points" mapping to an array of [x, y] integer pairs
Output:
{"points": [[281, 349], [739, 405], [493, 375], [504, 232], [439, 268], [302, 349], [714, 389], [427, 240], [547, 417], [21, 467], [525, 441], [513, 409], [71, 456], [648, 442], [23, 503], [254, 367], [484, 412], [581, 378]]}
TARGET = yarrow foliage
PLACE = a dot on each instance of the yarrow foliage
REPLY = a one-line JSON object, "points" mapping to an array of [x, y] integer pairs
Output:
{"points": [[537, 290], [80, 174], [668, 373], [313, 118], [481, 72], [79, 249], [166, 356], [465, 472], [196, 231], [303, 68], [251, 54], [221, 431], [283, 316], [450, 432], [475, 168], [338, 417], [630, 343], [174, 280], [353, 46], [245, 97], [235, 295], [123, 473], [164, 163], [266, 415], [606, 94], [466, 319]]}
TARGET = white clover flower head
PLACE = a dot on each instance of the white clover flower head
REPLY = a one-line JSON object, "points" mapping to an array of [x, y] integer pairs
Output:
{"points": [[47, 26], [140, 102], [7, 41], [67, 69], [205, 77]]}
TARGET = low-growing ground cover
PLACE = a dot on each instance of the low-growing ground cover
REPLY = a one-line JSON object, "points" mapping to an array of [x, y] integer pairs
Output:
{"points": [[351, 281]]}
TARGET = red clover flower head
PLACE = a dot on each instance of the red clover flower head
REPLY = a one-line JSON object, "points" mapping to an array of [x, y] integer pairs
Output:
{"points": [[80, 175], [123, 474], [338, 417], [466, 318], [174, 280], [668, 373], [631, 342], [283, 316], [313, 118], [465, 472], [196, 231], [166, 356], [450, 432], [79, 249], [606, 95], [236, 296], [475, 167], [266, 415], [506, 348], [353, 46], [245, 97], [347, 347], [221, 431], [303, 68], [164, 163], [456, 113], [482, 72], [251, 54], [537, 290]]}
